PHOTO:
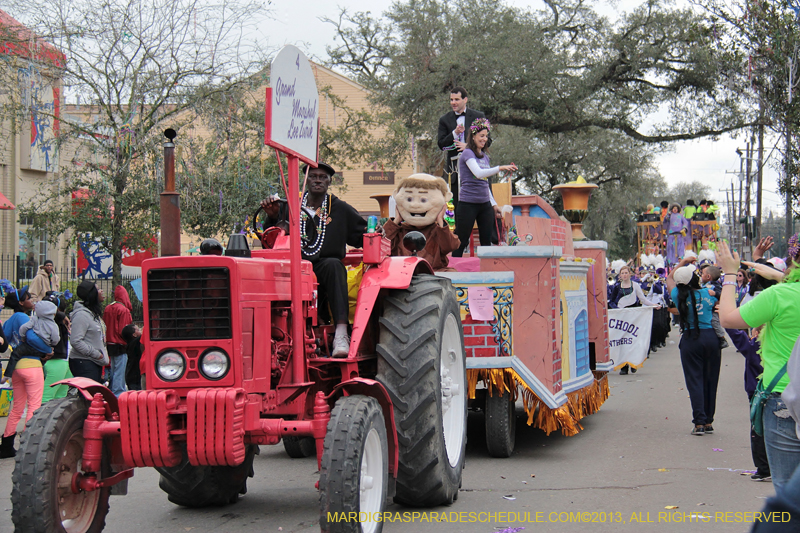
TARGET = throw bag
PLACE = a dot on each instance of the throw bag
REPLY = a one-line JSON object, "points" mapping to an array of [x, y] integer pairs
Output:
{"points": [[759, 399]]}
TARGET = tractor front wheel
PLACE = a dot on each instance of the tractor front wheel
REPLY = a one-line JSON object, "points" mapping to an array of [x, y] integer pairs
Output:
{"points": [[501, 423], [355, 467], [422, 364], [205, 486], [50, 454]]}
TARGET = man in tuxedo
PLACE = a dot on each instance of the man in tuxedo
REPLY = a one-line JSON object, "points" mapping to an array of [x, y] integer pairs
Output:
{"points": [[452, 135]]}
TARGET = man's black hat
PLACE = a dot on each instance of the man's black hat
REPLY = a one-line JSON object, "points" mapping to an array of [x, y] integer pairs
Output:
{"points": [[324, 166]]}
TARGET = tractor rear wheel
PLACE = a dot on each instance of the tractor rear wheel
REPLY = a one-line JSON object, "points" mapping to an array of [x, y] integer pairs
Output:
{"points": [[299, 447], [422, 364], [50, 453], [205, 486], [355, 467], [501, 423]]}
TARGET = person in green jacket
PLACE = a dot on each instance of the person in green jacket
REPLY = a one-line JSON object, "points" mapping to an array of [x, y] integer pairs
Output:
{"points": [[690, 209]]}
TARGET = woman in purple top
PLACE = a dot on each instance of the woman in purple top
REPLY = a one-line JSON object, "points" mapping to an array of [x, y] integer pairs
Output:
{"points": [[475, 201]]}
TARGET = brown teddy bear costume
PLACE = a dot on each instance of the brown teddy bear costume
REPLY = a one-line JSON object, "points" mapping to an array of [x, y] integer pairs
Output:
{"points": [[421, 200]]}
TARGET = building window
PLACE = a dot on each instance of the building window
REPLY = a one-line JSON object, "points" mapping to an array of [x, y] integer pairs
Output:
{"points": [[32, 248]]}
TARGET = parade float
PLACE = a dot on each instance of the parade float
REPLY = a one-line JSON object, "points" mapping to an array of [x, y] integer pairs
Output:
{"points": [[652, 236], [535, 321]]}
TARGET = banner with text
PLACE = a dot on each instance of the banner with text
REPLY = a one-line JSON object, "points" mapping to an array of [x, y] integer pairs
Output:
{"points": [[629, 335]]}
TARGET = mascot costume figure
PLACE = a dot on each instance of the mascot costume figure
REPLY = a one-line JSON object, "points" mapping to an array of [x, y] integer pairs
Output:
{"points": [[678, 229], [421, 203]]}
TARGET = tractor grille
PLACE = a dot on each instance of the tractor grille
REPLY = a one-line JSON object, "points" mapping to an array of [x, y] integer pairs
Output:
{"points": [[190, 303]]}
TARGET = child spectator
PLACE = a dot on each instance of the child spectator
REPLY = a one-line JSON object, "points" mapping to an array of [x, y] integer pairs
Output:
{"points": [[57, 367], [132, 335], [37, 336], [709, 276]]}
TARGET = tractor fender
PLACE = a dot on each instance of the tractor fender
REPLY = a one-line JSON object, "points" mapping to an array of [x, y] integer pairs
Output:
{"points": [[374, 389], [88, 388], [391, 273]]}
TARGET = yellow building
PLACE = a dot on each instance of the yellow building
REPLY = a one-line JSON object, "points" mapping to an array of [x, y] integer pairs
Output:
{"points": [[364, 181], [30, 101]]}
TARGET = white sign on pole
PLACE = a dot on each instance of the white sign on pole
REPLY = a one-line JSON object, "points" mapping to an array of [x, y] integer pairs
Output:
{"points": [[295, 103]]}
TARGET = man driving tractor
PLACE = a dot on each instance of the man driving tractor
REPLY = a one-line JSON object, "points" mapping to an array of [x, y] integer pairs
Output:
{"points": [[325, 237]]}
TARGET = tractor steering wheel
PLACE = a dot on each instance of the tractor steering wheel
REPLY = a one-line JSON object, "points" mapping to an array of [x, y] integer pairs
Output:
{"points": [[269, 235]]}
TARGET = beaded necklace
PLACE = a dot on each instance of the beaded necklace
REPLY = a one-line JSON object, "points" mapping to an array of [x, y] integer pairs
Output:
{"points": [[322, 212]]}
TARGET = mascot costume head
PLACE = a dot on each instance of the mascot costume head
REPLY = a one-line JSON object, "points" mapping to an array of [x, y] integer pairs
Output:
{"points": [[420, 198], [420, 206]]}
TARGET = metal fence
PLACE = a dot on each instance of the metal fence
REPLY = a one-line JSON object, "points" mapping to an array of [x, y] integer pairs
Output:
{"points": [[21, 273]]}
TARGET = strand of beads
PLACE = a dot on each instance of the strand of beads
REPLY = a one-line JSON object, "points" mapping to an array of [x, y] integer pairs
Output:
{"points": [[313, 249]]}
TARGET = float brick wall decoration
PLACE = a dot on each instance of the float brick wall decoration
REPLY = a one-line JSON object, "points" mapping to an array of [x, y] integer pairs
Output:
{"points": [[486, 338], [479, 338]]}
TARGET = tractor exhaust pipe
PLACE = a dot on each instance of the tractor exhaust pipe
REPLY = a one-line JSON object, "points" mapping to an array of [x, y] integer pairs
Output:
{"points": [[170, 201]]}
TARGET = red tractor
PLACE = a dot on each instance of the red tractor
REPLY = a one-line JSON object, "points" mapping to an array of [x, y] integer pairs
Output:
{"points": [[227, 371]]}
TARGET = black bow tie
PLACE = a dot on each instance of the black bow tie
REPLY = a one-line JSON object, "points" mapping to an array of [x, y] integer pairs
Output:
{"points": [[460, 114]]}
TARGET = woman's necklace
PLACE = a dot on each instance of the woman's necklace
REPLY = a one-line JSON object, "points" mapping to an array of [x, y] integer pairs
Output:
{"points": [[322, 213]]}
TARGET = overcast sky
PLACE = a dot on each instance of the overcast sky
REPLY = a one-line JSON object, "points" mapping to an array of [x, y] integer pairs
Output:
{"points": [[297, 22]]}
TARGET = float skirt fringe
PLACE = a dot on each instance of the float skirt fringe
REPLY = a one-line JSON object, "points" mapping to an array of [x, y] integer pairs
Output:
{"points": [[580, 403]]}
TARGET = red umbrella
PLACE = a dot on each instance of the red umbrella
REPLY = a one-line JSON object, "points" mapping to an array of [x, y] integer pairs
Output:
{"points": [[5, 203]]}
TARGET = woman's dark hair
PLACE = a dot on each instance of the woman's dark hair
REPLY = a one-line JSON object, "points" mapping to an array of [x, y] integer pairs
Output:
{"points": [[92, 303], [759, 283], [471, 142], [13, 303], [684, 293]]}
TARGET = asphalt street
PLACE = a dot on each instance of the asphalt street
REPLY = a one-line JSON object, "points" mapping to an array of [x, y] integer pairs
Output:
{"points": [[634, 468]]}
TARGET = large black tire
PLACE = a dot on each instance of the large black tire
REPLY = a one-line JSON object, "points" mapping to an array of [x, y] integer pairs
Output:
{"points": [[50, 452], [206, 486], [299, 447], [422, 364], [354, 477], [501, 423]]}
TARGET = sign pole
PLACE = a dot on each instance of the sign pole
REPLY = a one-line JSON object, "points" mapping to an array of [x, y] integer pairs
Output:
{"points": [[298, 322], [291, 125]]}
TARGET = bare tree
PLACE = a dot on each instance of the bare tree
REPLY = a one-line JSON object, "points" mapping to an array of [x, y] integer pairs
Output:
{"points": [[133, 68]]}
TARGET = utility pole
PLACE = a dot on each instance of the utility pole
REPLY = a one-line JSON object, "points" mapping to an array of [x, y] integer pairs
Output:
{"points": [[731, 213], [731, 221], [760, 169], [740, 211], [749, 184], [789, 182]]}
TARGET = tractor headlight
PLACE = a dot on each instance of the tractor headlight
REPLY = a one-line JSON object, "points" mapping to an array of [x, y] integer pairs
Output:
{"points": [[170, 365], [214, 364]]}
